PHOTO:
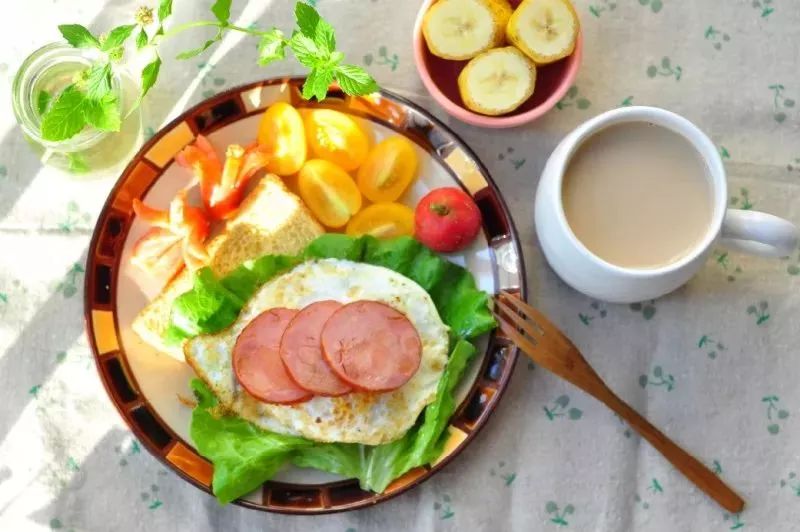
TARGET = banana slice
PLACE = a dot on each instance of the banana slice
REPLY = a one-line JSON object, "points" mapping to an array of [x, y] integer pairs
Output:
{"points": [[545, 30], [461, 29], [498, 81], [502, 12]]}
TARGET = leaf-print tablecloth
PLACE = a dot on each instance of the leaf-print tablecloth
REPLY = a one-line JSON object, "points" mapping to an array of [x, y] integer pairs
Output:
{"points": [[715, 364]]}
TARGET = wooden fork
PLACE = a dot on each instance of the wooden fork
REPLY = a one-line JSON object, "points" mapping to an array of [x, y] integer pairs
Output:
{"points": [[549, 348]]}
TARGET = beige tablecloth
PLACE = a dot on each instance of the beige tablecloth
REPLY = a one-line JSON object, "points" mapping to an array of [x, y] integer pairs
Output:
{"points": [[715, 364]]}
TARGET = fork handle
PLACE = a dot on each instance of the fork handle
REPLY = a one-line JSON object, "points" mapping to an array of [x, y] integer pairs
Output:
{"points": [[687, 464]]}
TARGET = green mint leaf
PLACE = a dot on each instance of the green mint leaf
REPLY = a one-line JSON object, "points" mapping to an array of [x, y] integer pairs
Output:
{"points": [[43, 99], [188, 54], [78, 36], [306, 51], [141, 39], [325, 36], [222, 10], [77, 163], [271, 47], [307, 18], [355, 81], [149, 76], [66, 117], [164, 10], [117, 37], [103, 113], [317, 83], [313, 26], [335, 59], [98, 81]]}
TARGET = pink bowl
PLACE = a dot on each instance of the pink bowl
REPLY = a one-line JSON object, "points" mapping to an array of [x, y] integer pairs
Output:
{"points": [[440, 77]]}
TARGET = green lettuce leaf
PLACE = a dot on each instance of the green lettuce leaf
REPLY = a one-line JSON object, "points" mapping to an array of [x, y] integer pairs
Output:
{"points": [[247, 278], [377, 466], [422, 444], [336, 246], [244, 456], [213, 304], [208, 306], [345, 459]]}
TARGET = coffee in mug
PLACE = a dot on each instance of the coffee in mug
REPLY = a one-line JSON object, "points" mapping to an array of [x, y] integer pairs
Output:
{"points": [[638, 195]]}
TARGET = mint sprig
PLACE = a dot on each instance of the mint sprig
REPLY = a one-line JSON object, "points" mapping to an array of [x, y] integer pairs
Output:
{"points": [[355, 80], [149, 76], [78, 36], [222, 10], [66, 116], [98, 81], [103, 113], [271, 47], [141, 39], [91, 100], [117, 37], [43, 99], [164, 10], [314, 46]]}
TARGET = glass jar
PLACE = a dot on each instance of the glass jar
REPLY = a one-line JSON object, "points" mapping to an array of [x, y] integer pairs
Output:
{"points": [[90, 153]]}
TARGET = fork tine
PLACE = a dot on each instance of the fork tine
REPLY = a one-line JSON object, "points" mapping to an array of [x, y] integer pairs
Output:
{"points": [[550, 333], [531, 312], [518, 320], [519, 339]]}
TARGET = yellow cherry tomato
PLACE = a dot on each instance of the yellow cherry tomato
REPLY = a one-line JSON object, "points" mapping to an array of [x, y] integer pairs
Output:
{"points": [[383, 220], [336, 137], [282, 133], [388, 170], [329, 192]]}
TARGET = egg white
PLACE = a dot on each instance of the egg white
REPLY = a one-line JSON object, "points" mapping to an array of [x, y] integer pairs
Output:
{"points": [[368, 418]]}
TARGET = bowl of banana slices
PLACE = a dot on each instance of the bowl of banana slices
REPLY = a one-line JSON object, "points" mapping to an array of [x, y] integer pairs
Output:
{"points": [[497, 63]]}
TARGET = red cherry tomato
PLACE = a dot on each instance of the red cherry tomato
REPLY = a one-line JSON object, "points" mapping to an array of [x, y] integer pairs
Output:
{"points": [[447, 220]]}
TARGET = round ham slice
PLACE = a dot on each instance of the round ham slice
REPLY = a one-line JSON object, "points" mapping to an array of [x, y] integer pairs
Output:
{"points": [[371, 346], [257, 362], [302, 355]]}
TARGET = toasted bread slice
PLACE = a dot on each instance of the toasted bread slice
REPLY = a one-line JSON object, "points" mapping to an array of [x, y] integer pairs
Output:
{"points": [[271, 220]]}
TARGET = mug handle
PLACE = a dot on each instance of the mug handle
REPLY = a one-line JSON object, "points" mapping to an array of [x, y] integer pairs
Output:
{"points": [[759, 233]]}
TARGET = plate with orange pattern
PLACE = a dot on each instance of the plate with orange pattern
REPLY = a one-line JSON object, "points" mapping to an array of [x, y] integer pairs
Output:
{"points": [[146, 386]]}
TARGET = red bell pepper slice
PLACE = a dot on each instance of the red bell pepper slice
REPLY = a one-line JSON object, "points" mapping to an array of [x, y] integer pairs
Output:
{"points": [[222, 186], [176, 238], [158, 252]]}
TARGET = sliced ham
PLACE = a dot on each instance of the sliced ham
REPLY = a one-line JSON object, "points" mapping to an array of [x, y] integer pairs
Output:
{"points": [[257, 362], [371, 346], [302, 355]]}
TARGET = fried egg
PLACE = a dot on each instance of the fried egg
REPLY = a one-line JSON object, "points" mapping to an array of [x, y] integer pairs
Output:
{"points": [[368, 418]]}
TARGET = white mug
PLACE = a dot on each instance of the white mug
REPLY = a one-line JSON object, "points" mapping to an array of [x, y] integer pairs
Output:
{"points": [[752, 232]]}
